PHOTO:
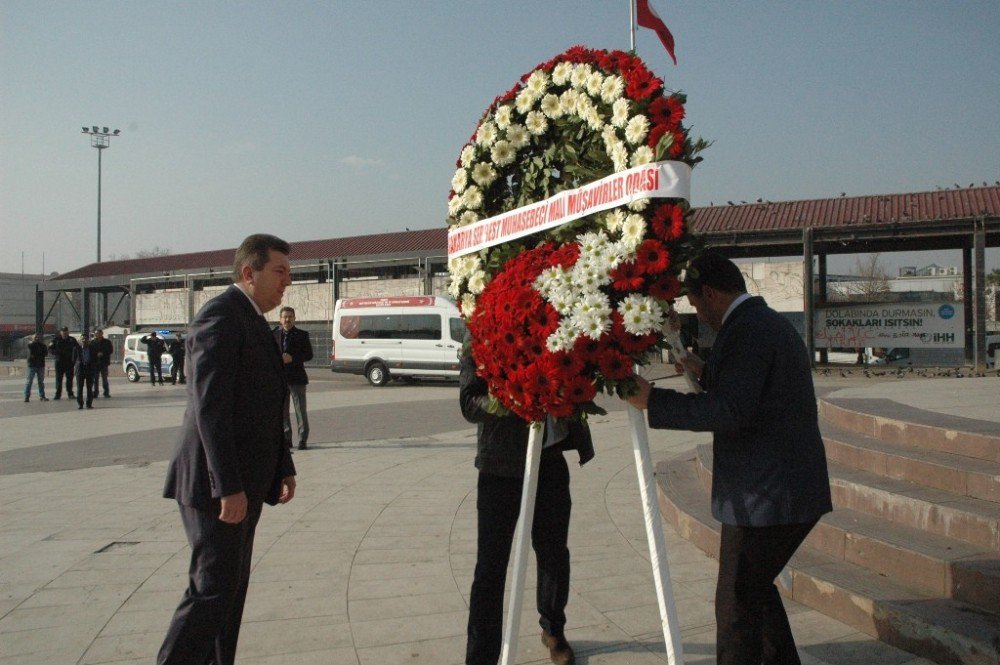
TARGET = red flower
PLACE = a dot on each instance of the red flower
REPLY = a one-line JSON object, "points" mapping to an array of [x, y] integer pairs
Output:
{"points": [[615, 364], [627, 341], [580, 389], [589, 350], [652, 257], [566, 256], [668, 222], [627, 277], [568, 364], [666, 287], [677, 149], [543, 322]]}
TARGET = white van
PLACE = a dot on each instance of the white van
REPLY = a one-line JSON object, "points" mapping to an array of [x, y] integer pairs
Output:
{"points": [[402, 337], [135, 360]]}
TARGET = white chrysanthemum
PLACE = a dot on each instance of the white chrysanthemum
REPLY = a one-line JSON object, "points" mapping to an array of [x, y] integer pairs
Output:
{"points": [[503, 153], [468, 155], [472, 197], [563, 338], [619, 113], [455, 204], [563, 300], [525, 101], [454, 265], [486, 134], [610, 135], [593, 118], [586, 279], [594, 84], [536, 123], [561, 73], [459, 180], [580, 74], [568, 100], [550, 280], [551, 106], [639, 204], [636, 129], [503, 116], [592, 323], [613, 220], [468, 305], [619, 156], [590, 243], [518, 136], [484, 174], [642, 155], [477, 282], [641, 315], [455, 287], [538, 82], [633, 230], [472, 263], [612, 88], [468, 217]]}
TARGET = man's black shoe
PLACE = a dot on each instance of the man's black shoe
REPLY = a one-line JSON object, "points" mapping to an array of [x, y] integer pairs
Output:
{"points": [[90, 406], [27, 399], [560, 652], [57, 397], [80, 407], [303, 446]]}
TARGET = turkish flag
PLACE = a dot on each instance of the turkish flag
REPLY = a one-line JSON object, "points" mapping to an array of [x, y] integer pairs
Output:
{"points": [[648, 18]]}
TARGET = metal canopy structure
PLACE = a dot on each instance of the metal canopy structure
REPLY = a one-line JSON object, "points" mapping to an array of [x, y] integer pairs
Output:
{"points": [[967, 219]]}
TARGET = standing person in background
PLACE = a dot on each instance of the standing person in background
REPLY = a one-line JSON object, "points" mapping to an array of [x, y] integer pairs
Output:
{"points": [[62, 348], [103, 350], [230, 457], [296, 349], [769, 477], [85, 367], [154, 351], [36, 367], [176, 350]]}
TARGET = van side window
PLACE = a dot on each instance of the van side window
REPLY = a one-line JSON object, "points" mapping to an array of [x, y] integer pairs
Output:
{"points": [[397, 326], [456, 328]]}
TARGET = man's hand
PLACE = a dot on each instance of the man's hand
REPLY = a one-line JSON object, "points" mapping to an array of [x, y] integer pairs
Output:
{"points": [[287, 357], [234, 508], [691, 363], [641, 399], [287, 489]]}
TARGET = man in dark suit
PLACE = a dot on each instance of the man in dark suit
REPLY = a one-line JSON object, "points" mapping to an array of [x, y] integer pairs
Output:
{"points": [[769, 476], [296, 350], [62, 348], [103, 349], [501, 448], [230, 456], [85, 368], [155, 347], [176, 350]]}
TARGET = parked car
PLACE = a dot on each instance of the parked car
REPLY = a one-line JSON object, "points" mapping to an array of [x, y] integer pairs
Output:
{"points": [[135, 360]]}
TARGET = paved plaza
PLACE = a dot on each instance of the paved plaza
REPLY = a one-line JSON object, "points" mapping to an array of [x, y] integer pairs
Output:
{"points": [[372, 562]]}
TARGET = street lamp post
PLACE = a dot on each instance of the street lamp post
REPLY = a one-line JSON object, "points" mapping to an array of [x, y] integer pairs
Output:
{"points": [[100, 138]]}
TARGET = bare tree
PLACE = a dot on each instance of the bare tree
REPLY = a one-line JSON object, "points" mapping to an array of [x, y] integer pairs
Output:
{"points": [[872, 284], [149, 253]]}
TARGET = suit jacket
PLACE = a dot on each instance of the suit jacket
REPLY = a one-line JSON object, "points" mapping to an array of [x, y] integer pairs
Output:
{"points": [[84, 358], [298, 345], [502, 441], [62, 348], [105, 348], [231, 439], [769, 464], [155, 346]]}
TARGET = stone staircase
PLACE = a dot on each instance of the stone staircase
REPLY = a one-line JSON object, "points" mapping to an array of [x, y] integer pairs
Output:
{"points": [[911, 552]]}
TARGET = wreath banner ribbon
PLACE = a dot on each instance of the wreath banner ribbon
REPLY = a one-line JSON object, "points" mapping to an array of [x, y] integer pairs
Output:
{"points": [[666, 179]]}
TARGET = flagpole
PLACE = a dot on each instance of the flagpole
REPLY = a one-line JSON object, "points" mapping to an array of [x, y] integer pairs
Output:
{"points": [[631, 23]]}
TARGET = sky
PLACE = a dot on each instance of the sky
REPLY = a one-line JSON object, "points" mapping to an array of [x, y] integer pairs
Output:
{"points": [[313, 120]]}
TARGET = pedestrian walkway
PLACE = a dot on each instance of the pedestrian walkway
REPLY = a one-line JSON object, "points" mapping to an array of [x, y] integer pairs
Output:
{"points": [[372, 562]]}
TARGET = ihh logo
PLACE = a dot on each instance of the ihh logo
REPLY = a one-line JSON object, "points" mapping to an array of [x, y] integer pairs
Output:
{"points": [[946, 311]]}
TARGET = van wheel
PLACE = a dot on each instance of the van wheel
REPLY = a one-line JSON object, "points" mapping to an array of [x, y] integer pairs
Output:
{"points": [[378, 374], [132, 373]]}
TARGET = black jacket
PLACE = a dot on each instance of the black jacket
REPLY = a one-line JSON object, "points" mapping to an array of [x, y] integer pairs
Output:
{"points": [[36, 354], [154, 345], [502, 442], [297, 344], [62, 348], [102, 349], [84, 358], [176, 350]]}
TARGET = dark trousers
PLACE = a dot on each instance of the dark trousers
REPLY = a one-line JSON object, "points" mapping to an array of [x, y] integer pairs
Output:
{"points": [[206, 624], [498, 506], [64, 369], [751, 624], [102, 373], [86, 379], [178, 368], [155, 369]]}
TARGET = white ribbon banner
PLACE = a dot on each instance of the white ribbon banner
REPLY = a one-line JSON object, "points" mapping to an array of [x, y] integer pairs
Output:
{"points": [[665, 180]]}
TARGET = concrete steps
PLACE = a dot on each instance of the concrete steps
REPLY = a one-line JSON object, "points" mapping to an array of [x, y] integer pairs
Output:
{"points": [[911, 553]]}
